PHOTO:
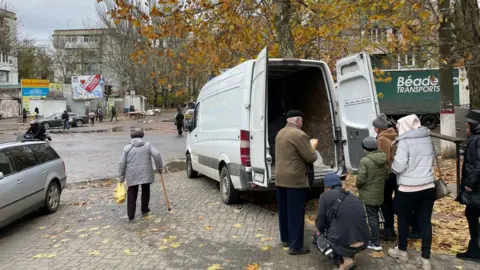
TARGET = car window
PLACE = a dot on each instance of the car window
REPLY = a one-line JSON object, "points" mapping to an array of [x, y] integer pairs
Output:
{"points": [[6, 163], [195, 116], [23, 156], [72, 114], [44, 152]]}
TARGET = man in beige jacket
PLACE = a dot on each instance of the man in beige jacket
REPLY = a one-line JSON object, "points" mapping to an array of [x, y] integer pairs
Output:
{"points": [[293, 155]]}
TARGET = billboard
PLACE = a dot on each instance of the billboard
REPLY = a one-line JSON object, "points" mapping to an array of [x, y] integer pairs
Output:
{"points": [[87, 87], [34, 88]]}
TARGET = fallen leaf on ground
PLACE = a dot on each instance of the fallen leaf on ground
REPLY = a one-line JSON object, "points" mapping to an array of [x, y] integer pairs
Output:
{"points": [[208, 228], [94, 229], [57, 245], [253, 267], [237, 210], [162, 247], [106, 227], [266, 248], [127, 252], [45, 256], [286, 248], [310, 219], [41, 228], [105, 241], [215, 267], [201, 217], [64, 240], [266, 239], [378, 254], [169, 238], [148, 217], [234, 237], [459, 267], [258, 235], [175, 245], [67, 231], [201, 245], [238, 225], [81, 230], [95, 253], [82, 235]]}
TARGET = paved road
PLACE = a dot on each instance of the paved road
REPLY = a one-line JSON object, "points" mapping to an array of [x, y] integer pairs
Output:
{"points": [[90, 231]]}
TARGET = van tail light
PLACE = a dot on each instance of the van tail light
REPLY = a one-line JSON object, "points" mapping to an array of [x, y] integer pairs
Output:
{"points": [[245, 148]]}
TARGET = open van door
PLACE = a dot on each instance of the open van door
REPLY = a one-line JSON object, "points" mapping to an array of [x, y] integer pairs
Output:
{"points": [[258, 135], [357, 103]]}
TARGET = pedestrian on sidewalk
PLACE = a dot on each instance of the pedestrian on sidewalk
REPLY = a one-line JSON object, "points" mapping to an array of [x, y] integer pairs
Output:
{"points": [[97, 114], [100, 114], [372, 173], [470, 186], [294, 154], [413, 163], [136, 168], [66, 121], [24, 114], [179, 117], [341, 223], [91, 115], [114, 114], [385, 137]]}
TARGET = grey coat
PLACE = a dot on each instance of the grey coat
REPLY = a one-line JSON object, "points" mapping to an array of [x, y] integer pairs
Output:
{"points": [[136, 163], [413, 159]]}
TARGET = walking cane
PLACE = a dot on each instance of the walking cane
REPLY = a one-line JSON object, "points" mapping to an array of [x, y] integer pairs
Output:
{"points": [[165, 191]]}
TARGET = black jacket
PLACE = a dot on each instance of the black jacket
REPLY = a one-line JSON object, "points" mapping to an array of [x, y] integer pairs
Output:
{"points": [[179, 118], [38, 131], [471, 170], [349, 224], [65, 116]]}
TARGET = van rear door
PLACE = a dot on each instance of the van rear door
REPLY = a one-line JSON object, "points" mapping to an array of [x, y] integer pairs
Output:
{"points": [[258, 147], [358, 105]]}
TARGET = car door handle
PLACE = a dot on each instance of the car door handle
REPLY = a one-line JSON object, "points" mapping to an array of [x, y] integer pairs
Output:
{"points": [[19, 181], [44, 172]]}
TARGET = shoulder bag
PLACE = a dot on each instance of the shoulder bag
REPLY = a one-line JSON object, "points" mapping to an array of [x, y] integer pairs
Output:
{"points": [[440, 185]]}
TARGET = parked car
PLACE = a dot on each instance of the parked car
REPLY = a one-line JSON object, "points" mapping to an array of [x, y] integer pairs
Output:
{"points": [[55, 120], [32, 177], [238, 115]]}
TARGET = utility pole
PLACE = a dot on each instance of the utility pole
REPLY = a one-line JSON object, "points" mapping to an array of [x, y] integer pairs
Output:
{"points": [[447, 106]]}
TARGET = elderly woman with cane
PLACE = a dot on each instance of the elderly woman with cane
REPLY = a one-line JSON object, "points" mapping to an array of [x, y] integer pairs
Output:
{"points": [[136, 168]]}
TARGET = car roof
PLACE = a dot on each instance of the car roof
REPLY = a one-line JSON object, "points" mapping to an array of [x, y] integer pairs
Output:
{"points": [[11, 144]]}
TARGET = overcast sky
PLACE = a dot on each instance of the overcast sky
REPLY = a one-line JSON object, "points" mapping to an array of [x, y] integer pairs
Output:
{"points": [[38, 18]]}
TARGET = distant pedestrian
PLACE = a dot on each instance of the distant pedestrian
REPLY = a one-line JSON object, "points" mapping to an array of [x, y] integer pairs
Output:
{"points": [[470, 186], [372, 173], [91, 115], [96, 114], [179, 121], [69, 110], [24, 115], [136, 168], [66, 121], [114, 114], [100, 114], [37, 112], [294, 154], [385, 137], [413, 164]]}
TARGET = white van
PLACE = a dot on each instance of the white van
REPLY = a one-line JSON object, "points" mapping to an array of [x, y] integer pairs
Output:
{"points": [[239, 113]]}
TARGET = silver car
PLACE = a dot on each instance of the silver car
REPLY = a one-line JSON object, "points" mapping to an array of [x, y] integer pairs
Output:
{"points": [[32, 177]]}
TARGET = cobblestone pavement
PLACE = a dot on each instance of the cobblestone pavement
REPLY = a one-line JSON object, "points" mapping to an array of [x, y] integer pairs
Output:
{"points": [[90, 231]]}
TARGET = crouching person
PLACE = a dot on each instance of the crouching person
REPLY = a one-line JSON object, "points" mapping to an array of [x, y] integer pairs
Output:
{"points": [[342, 223]]}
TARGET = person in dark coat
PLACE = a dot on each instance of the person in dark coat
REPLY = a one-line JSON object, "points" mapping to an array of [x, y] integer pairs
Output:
{"points": [[294, 154], [24, 114], [179, 121], [37, 130], [37, 112], [470, 186], [66, 121], [342, 222], [114, 114]]}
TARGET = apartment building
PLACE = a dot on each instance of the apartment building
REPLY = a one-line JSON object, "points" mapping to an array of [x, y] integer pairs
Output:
{"points": [[8, 61]]}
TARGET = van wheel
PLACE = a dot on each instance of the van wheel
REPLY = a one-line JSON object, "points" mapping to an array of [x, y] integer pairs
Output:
{"points": [[228, 192], [52, 198], [430, 121], [190, 172]]}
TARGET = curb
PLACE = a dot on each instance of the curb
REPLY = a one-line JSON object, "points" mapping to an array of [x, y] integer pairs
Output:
{"points": [[112, 129]]}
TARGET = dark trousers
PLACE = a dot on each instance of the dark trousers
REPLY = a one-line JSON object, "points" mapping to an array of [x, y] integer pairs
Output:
{"points": [[132, 199], [372, 215], [387, 207], [114, 115], [420, 202], [92, 120], [291, 214], [179, 129], [472, 214]]}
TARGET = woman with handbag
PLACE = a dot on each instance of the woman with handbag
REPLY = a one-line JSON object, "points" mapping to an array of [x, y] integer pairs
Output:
{"points": [[470, 186], [416, 192]]}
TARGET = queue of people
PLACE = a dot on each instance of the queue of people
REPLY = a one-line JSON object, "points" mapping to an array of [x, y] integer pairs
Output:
{"points": [[395, 176]]}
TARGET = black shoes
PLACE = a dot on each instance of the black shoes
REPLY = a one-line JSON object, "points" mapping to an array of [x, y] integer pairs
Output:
{"points": [[466, 256], [303, 250]]}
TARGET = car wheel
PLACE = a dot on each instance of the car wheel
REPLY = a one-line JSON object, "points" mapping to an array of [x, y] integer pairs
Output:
{"points": [[228, 192], [78, 123], [46, 125], [430, 121], [191, 173], [52, 198]]}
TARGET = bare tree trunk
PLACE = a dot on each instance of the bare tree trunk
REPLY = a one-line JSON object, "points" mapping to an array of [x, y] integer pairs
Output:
{"points": [[283, 12], [447, 107], [473, 75]]}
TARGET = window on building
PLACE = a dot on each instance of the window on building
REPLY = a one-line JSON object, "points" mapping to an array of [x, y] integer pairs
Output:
{"points": [[407, 60], [88, 38], [72, 39], [378, 35]]}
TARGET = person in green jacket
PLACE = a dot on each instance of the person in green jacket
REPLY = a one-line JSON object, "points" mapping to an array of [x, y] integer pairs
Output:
{"points": [[372, 174]]}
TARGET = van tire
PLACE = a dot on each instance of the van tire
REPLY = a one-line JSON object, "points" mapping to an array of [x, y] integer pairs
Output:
{"points": [[52, 198], [430, 121], [191, 173], [227, 191]]}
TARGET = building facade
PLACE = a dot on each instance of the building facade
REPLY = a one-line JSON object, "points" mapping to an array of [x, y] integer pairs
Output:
{"points": [[8, 61]]}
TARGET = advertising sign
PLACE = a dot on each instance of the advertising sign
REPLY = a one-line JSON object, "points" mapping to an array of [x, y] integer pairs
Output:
{"points": [[35, 88], [87, 87]]}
